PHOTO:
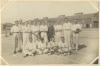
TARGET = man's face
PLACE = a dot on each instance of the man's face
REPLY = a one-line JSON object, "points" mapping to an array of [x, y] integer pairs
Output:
{"points": [[35, 23], [66, 20], [48, 24], [69, 22], [26, 23], [43, 24], [76, 22], [20, 21], [16, 23], [38, 23]]}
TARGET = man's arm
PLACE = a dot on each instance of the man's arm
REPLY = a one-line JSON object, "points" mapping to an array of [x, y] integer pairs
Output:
{"points": [[12, 30]]}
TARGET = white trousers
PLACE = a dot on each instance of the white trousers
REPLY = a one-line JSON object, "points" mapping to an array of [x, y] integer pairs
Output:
{"points": [[44, 36], [45, 39], [25, 42], [76, 40], [58, 39], [57, 36], [17, 41], [67, 36]]}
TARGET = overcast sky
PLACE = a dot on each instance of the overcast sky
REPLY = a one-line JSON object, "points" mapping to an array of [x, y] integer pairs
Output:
{"points": [[31, 10]]}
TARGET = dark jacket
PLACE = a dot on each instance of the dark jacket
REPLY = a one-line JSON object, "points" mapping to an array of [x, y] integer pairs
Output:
{"points": [[51, 32]]}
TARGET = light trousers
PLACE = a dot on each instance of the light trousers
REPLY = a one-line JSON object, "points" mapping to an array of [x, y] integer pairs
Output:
{"points": [[67, 36], [17, 41], [76, 40]]}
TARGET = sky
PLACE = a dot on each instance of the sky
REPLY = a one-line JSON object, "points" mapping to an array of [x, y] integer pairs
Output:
{"points": [[39, 9]]}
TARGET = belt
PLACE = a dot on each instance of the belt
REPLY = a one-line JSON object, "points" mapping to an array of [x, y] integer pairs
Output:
{"points": [[16, 32], [67, 29]]}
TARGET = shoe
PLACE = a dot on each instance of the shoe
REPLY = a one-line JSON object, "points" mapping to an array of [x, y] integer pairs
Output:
{"points": [[65, 54], [25, 55], [14, 52], [20, 51], [49, 53], [76, 50], [69, 53], [32, 54]]}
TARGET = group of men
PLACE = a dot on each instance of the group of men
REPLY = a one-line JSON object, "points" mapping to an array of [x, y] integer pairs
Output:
{"points": [[32, 38]]}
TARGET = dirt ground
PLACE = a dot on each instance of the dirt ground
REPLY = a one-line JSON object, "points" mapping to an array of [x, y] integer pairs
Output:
{"points": [[89, 45]]}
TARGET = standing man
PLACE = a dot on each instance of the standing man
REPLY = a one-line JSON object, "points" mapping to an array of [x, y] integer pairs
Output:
{"points": [[35, 36], [15, 32], [26, 34], [44, 30], [51, 32], [67, 35], [51, 35], [20, 35], [58, 36], [76, 30]]}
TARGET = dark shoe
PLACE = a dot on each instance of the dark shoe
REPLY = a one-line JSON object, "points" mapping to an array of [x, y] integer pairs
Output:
{"points": [[20, 51], [49, 53], [69, 53], [25, 55], [64, 54], [14, 52]]}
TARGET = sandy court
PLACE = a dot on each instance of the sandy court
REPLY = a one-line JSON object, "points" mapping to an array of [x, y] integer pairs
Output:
{"points": [[89, 45]]}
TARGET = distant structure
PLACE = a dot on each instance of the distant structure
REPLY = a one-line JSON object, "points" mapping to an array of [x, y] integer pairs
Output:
{"points": [[87, 20], [90, 20], [5, 28]]}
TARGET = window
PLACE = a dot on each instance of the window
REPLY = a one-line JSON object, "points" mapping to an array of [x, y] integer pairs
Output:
{"points": [[96, 24], [87, 25]]}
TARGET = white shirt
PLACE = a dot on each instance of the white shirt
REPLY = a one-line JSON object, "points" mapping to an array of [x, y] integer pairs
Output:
{"points": [[67, 26], [20, 28], [76, 26], [26, 28], [43, 28], [34, 28], [58, 27], [15, 29]]}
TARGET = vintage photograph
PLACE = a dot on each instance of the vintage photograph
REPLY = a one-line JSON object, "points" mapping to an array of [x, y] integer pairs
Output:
{"points": [[49, 32]]}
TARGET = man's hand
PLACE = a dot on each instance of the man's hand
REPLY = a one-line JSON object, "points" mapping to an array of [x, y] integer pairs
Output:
{"points": [[77, 30]]}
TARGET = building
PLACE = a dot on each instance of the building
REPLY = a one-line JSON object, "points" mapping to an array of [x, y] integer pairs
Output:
{"points": [[90, 20], [87, 20], [5, 28]]}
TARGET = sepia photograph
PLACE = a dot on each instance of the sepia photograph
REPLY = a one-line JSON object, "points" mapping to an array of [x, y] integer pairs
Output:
{"points": [[49, 32]]}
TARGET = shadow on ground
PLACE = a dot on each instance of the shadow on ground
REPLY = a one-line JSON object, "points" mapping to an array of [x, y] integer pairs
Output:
{"points": [[82, 46]]}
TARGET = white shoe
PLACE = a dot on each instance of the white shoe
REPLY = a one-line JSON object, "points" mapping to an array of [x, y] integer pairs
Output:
{"points": [[14, 54]]}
